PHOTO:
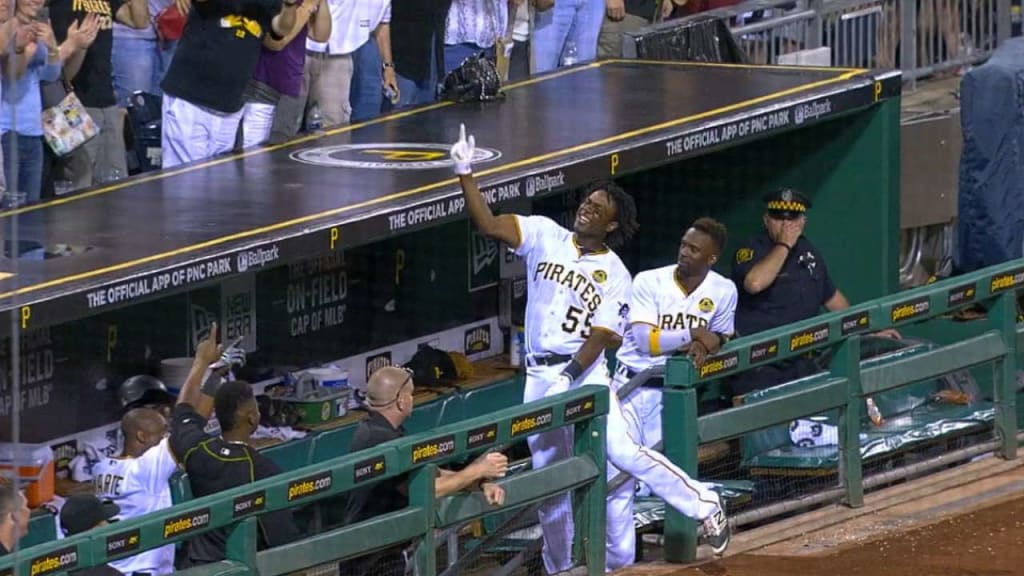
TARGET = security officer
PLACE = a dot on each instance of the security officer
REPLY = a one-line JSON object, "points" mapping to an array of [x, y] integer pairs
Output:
{"points": [[782, 278]]}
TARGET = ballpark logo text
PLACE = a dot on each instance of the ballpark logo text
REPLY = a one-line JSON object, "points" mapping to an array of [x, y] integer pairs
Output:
{"points": [[478, 339], [58, 561], [764, 351], [249, 504], [811, 111], [855, 323], [579, 409], [719, 364], [257, 258], [809, 337], [388, 156], [376, 362], [123, 542], [186, 523], [310, 485], [368, 469], [544, 183], [433, 449], [1001, 282], [531, 422], [910, 309], [962, 294], [482, 436]]}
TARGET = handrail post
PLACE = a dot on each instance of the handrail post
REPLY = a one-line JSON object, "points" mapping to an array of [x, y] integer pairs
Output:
{"points": [[241, 542], [679, 433], [590, 441], [1003, 317], [846, 364], [422, 495]]}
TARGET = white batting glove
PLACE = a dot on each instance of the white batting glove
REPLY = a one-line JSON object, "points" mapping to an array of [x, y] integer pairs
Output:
{"points": [[561, 384], [463, 151]]}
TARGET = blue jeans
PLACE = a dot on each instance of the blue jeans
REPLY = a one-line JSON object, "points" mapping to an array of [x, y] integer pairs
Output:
{"points": [[578, 21], [30, 166], [454, 54], [139, 64], [416, 93], [366, 94]]}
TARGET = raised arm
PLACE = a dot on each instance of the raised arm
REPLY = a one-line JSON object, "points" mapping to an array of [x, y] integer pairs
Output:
{"points": [[502, 228], [194, 393]]}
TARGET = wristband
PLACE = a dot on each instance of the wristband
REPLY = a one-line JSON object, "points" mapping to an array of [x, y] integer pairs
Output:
{"points": [[573, 369], [212, 384]]}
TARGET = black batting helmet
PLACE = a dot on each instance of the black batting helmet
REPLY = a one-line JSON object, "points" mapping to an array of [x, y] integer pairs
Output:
{"points": [[143, 390]]}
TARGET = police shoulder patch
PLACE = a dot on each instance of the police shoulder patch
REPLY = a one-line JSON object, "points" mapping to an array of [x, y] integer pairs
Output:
{"points": [[600, 276], [744, 255]]}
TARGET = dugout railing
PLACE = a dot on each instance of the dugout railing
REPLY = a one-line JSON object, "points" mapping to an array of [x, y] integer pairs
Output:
{"points": [[848, 382], [416, 456]]}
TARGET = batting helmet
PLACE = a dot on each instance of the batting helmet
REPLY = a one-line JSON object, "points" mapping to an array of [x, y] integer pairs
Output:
{"points": [[143, 390]]}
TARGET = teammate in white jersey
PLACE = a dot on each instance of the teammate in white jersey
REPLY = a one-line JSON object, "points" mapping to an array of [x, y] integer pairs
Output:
{"points": [[137, 482], [681, 307], [577, 307]]}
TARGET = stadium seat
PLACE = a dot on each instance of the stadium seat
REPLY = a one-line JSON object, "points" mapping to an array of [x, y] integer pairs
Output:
{"points": [[290, 455]]}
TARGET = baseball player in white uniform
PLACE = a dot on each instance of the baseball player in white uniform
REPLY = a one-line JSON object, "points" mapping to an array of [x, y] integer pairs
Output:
{"points": [[684, 306], [578, 306], [138, 482]]}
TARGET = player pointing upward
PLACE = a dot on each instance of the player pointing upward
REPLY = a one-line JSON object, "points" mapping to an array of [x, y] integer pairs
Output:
{"points": [[578, 303], [579, 296]]}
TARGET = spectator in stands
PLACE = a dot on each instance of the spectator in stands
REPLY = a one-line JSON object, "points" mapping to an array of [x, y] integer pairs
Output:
{"points": [[139, 57], [137, 482], [373, 72], [279, 71], [103, 158], [81, 513], [218, 463], [782, 278], [389, 397], [473, 26], [37, 58], [417, 32], [568, 27], [213, 63], [8, 29], [522, 21], [622, 16], [14, 515]]}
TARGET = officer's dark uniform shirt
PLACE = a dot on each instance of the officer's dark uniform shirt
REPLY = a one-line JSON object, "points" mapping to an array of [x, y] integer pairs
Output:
{"points": [[382, 497], [799, 291], [215, 465]]}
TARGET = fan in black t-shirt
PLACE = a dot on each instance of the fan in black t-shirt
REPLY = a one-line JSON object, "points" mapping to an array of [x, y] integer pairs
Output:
{"points": [[218, 463]]}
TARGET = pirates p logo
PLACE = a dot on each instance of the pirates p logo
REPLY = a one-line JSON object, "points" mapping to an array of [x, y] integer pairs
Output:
{"points": [[706, 305], [600, 276], [744, 255], [388, 156]]}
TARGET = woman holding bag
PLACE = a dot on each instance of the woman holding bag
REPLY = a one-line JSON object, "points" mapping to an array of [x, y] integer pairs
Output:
{"points": [[21, 110]]}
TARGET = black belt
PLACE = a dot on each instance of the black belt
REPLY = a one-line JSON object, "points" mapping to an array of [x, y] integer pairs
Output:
{"points": [[550, 360], [656, 382]]}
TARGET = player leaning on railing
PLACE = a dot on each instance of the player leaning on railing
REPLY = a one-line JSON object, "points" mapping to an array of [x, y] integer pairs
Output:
{"points": [[578, 304]]}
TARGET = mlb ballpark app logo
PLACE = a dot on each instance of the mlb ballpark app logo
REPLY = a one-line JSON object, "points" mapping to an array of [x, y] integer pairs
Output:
{"points": [[58, 561], [186, 523], [433, 449], [376, 362], [478, 339], [369, 469], [122, 543], [310, 485], [249, 504]]}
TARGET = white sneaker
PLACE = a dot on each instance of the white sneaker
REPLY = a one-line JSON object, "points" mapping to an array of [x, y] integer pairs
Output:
{"points": [[717, 531]]}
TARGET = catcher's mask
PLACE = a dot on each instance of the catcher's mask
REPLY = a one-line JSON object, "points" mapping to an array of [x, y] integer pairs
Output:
{"points": [[475, 80]]}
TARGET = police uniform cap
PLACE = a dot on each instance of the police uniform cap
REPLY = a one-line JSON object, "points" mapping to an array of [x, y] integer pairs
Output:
{"points": [[786, 203]]}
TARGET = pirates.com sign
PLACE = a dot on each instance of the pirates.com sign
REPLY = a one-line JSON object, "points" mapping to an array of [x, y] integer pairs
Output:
{"points": [[391, 156]]}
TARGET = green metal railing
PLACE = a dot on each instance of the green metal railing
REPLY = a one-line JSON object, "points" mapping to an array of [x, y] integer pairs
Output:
{"points": [[416, 456], [847, 383]]}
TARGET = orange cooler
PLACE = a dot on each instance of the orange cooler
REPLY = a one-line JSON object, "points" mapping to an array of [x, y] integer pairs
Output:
{"points": [[35, 470]]}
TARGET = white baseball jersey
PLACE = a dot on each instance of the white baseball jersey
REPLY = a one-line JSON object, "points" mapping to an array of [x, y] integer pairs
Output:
{"points": [[661, 301], [570, 293], [139, 486]]}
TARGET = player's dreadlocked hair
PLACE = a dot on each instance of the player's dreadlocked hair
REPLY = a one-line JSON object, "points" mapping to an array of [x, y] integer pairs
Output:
{"points": [[714, 229], [625, 211]]}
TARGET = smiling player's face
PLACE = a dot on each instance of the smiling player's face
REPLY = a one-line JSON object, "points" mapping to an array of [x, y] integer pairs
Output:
{"points": [[595, 216]]}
